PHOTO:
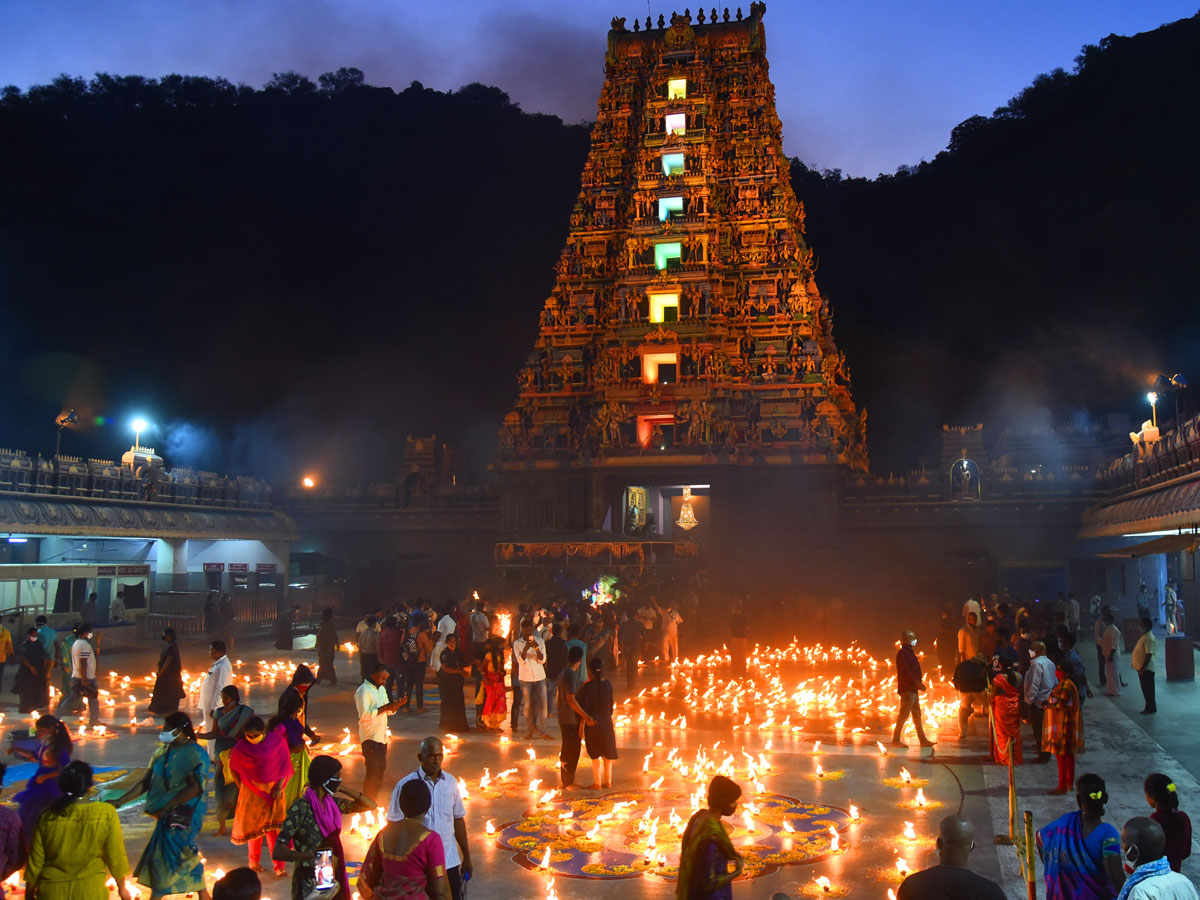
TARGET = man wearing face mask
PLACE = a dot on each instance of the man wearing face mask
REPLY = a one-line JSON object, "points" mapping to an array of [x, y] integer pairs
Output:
{"points": [[83, 675], [950, 879], [1038, 684], [909, 683], [447, 815], [1149, 874]]}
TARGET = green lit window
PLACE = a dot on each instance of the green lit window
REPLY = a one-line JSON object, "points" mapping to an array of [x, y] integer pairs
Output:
{"points": [[676, 123], [668, 207], [677, 89], [672, 163], [665, 254]]}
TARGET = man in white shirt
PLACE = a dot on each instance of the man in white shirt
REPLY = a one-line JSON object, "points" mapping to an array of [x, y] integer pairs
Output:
{"points": [[1148, 875], [670, 634], [530, 653], [968, 638], [447, 624], [479, 625], [1039, 682], [371, 700], [447, 816], [83, 673], [220, 674], [972, 606]]}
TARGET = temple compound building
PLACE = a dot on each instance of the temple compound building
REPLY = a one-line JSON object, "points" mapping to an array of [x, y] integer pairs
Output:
{"points": [[684, 386]]}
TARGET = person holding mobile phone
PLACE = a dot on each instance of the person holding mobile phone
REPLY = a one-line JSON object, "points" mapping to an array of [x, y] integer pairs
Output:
{"points": [[371, 701], [314, 822]]}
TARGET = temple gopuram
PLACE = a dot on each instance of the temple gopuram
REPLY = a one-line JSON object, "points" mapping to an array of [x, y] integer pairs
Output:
{"points": [[684, 387]]}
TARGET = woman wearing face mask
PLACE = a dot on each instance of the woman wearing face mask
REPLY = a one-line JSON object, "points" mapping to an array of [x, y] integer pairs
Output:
{"points": [[228, 724], [261, 765], [76, 845], [302, 680], [287, 722], [1081, 852], [314, 822], [706, 851], [33, 689], [52, 756], [168, 687], [174, 788]]}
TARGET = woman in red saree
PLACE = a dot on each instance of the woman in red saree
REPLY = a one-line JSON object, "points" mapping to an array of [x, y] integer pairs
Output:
{"points": [[261, 764], [495, 706], [1006, 713]]}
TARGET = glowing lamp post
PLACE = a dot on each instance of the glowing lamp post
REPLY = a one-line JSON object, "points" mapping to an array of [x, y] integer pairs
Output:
{"points": [[138, 425], [1153, 398]]}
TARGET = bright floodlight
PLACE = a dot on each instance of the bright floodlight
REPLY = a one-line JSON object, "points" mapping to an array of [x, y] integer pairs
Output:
{"points": [[139, 425], [308, 481]]}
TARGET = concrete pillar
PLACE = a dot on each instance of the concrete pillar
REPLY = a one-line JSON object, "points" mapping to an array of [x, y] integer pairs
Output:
{"points": [[170, 561]]}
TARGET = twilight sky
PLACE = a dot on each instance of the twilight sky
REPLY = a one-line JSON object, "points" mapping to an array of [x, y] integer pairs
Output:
{"points": [[864, 86]]}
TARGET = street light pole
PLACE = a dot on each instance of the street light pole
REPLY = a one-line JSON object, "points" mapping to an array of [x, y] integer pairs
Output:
{"points": [[63, 421]]}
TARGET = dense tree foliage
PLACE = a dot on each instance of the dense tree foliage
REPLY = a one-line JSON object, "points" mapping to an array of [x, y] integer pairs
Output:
{"points": [[315, 270]]}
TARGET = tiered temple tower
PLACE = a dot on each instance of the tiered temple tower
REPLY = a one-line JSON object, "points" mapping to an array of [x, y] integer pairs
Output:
{"points": [[685, 342]]}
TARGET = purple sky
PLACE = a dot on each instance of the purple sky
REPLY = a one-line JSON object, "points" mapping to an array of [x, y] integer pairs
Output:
{"points": [[864, 86]]}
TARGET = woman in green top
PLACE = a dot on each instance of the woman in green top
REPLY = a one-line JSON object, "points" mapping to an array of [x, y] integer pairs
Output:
{"points": [[174, 788], [76, 845], [314, 822]]}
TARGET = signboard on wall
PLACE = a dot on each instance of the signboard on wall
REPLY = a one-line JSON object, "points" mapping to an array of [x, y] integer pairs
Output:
{"points": [[239, 567], [133, 570], [102, 571], [264, 567], [214, 567]]}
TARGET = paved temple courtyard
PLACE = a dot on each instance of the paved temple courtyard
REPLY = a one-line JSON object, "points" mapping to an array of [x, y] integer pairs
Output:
{"points": [[826, 811]]}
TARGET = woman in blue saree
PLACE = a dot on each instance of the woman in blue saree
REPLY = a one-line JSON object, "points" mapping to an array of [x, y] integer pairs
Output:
{"points": [[1080, 852], [52, 756], [174, 789]]}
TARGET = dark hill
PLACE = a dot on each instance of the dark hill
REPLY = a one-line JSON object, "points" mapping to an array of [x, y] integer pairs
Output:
{"points": [[311, 273], [1046, 262]]}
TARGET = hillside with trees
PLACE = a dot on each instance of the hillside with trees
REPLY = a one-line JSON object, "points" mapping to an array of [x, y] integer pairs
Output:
{"points": [[306, 272]]}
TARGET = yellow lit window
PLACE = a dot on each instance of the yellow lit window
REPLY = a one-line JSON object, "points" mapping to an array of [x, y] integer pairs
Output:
{"points": [[677, 89], [664, 307]]}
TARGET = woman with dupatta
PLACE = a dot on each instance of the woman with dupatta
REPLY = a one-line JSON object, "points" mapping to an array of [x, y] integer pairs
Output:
{"points": [[229, 722], [53, 754], [1006, 713], [1081, 853], [261, 765], [302, 680], [706, 851], [495, 706], [1062, 731], [314, 822], [287, 722], [174, 787]]}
